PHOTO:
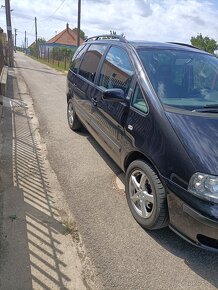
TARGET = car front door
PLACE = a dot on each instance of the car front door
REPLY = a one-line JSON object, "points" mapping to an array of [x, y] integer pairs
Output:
{"points": [[108, 116]]}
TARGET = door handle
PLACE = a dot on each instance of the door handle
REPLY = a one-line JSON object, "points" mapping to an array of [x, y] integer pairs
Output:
{"points": [[94, 101], [130, 127]]}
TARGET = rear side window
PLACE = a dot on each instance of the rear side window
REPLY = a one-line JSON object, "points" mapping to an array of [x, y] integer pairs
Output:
{"points": [[77, 58], [91, 61], [138, 100], [117, 70]]}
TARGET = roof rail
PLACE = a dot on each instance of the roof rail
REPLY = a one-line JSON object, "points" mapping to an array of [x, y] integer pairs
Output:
{"points": [[107, 36], [184, 44]]}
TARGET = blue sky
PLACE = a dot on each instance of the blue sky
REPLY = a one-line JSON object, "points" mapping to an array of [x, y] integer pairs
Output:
{"points": [[166, 20]]}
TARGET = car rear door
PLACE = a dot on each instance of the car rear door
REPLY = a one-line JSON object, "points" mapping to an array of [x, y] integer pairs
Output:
{"points": [[84, 81]]}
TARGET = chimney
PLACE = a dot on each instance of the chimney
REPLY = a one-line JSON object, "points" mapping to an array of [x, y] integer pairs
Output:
{"points": [[67, 26]]}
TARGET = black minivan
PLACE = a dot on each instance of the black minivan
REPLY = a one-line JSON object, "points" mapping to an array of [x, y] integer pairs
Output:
{"points": [[153, 107]]}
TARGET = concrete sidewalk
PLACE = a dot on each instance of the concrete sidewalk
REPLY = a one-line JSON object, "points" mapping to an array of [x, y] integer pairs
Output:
{"points": [[40, 247]]}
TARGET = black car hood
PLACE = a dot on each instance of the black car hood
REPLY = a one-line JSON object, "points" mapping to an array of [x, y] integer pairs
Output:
{"points": [[199, 135]]}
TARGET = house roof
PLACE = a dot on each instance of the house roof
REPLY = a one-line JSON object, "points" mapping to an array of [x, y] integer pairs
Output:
{"points": [[32, 44], [67, 37]]}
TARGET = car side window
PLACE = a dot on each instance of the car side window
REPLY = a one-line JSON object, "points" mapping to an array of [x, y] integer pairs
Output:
{"points": [[74, 65], [117, 70], [138, 100], [91, 61]]}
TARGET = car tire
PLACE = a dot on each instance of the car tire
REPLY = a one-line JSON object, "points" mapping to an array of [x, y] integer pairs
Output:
{"points": [[146, 196], [73, 120]]}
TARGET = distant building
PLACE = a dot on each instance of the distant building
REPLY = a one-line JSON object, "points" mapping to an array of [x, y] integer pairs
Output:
{"points": [[66, 38]]}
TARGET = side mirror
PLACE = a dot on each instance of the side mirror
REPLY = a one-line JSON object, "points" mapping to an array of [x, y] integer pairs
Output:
{"points": [[114, 95]]}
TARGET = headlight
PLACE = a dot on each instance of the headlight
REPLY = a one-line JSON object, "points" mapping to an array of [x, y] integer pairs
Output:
{"points": [[204, 186]]}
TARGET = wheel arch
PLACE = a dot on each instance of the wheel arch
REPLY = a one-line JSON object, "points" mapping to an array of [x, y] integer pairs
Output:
{"points": [[136, 155], [68, 97]]}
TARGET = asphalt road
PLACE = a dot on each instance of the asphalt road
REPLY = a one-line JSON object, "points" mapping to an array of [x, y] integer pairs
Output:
{"points": [[124, 255]]}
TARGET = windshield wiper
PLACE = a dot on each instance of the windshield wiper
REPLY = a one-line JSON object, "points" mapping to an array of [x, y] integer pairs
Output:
{"points": [[213, 108]]}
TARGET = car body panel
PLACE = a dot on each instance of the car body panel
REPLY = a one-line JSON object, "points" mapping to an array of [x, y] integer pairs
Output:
{"points": [[199, 135], [175, 144]]}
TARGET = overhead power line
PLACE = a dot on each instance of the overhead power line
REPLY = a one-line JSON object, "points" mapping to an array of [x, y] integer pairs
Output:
{"points": [[62, 2]]}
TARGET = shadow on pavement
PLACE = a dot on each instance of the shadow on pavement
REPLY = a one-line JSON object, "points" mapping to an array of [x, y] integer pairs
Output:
{"points": [[38, 70], [30, 252], [100, 151], [203, 263]]}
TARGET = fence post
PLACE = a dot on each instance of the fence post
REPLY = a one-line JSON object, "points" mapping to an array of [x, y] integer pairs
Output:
{"points": [[53, 55], [65, 60], [48, 54], [58, 56]]}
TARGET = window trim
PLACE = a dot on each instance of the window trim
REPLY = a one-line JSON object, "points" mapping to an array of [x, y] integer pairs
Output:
{"points": [[143, 94], [84, 47], [78, 51]]}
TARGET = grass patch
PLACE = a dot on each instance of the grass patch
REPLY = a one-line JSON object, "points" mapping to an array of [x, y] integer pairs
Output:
{"points": [[12, 217], [54, 65], [71, 228]]}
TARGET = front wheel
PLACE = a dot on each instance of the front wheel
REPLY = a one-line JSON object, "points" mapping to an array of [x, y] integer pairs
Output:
{"points": [[146, 196], [73, 120]]}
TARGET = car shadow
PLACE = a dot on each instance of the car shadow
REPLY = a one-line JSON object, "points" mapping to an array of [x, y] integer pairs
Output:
{"points": [[100, 151], [202, 262]]}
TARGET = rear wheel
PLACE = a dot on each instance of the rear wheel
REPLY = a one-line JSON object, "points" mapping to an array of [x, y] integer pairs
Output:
{"points": [[146, 196], [73, 120]]}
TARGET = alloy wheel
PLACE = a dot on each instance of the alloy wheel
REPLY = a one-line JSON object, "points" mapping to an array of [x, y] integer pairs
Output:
{"points": [[70, 114], [141, 193]]}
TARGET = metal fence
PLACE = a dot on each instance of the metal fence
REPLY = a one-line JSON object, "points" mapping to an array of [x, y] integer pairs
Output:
{"points": [[58, 56]]}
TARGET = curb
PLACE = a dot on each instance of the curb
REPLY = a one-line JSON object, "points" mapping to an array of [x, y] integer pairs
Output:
{"points": [[1, 106], [3, 87], [3, 81]]}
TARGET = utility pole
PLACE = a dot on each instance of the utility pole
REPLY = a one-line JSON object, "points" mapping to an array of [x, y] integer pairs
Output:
{"points": [[15, 39], [25, 41], [78, 23], [36, 37], [9, 32]]}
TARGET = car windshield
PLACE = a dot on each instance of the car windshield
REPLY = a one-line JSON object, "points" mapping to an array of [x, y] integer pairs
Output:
{"points": [[182, 79]]}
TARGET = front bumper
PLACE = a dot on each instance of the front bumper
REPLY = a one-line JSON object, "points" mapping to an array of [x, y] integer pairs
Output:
{"points": [[192, 225]]}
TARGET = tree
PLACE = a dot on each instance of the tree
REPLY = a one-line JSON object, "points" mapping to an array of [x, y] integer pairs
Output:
{"points": [[204, 43], [82, 34], [32, 47], [41, 40]]}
